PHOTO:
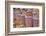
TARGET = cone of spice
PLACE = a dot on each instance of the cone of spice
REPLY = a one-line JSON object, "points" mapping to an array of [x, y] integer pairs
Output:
{"points": [[28, 18], [19, 21]]}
